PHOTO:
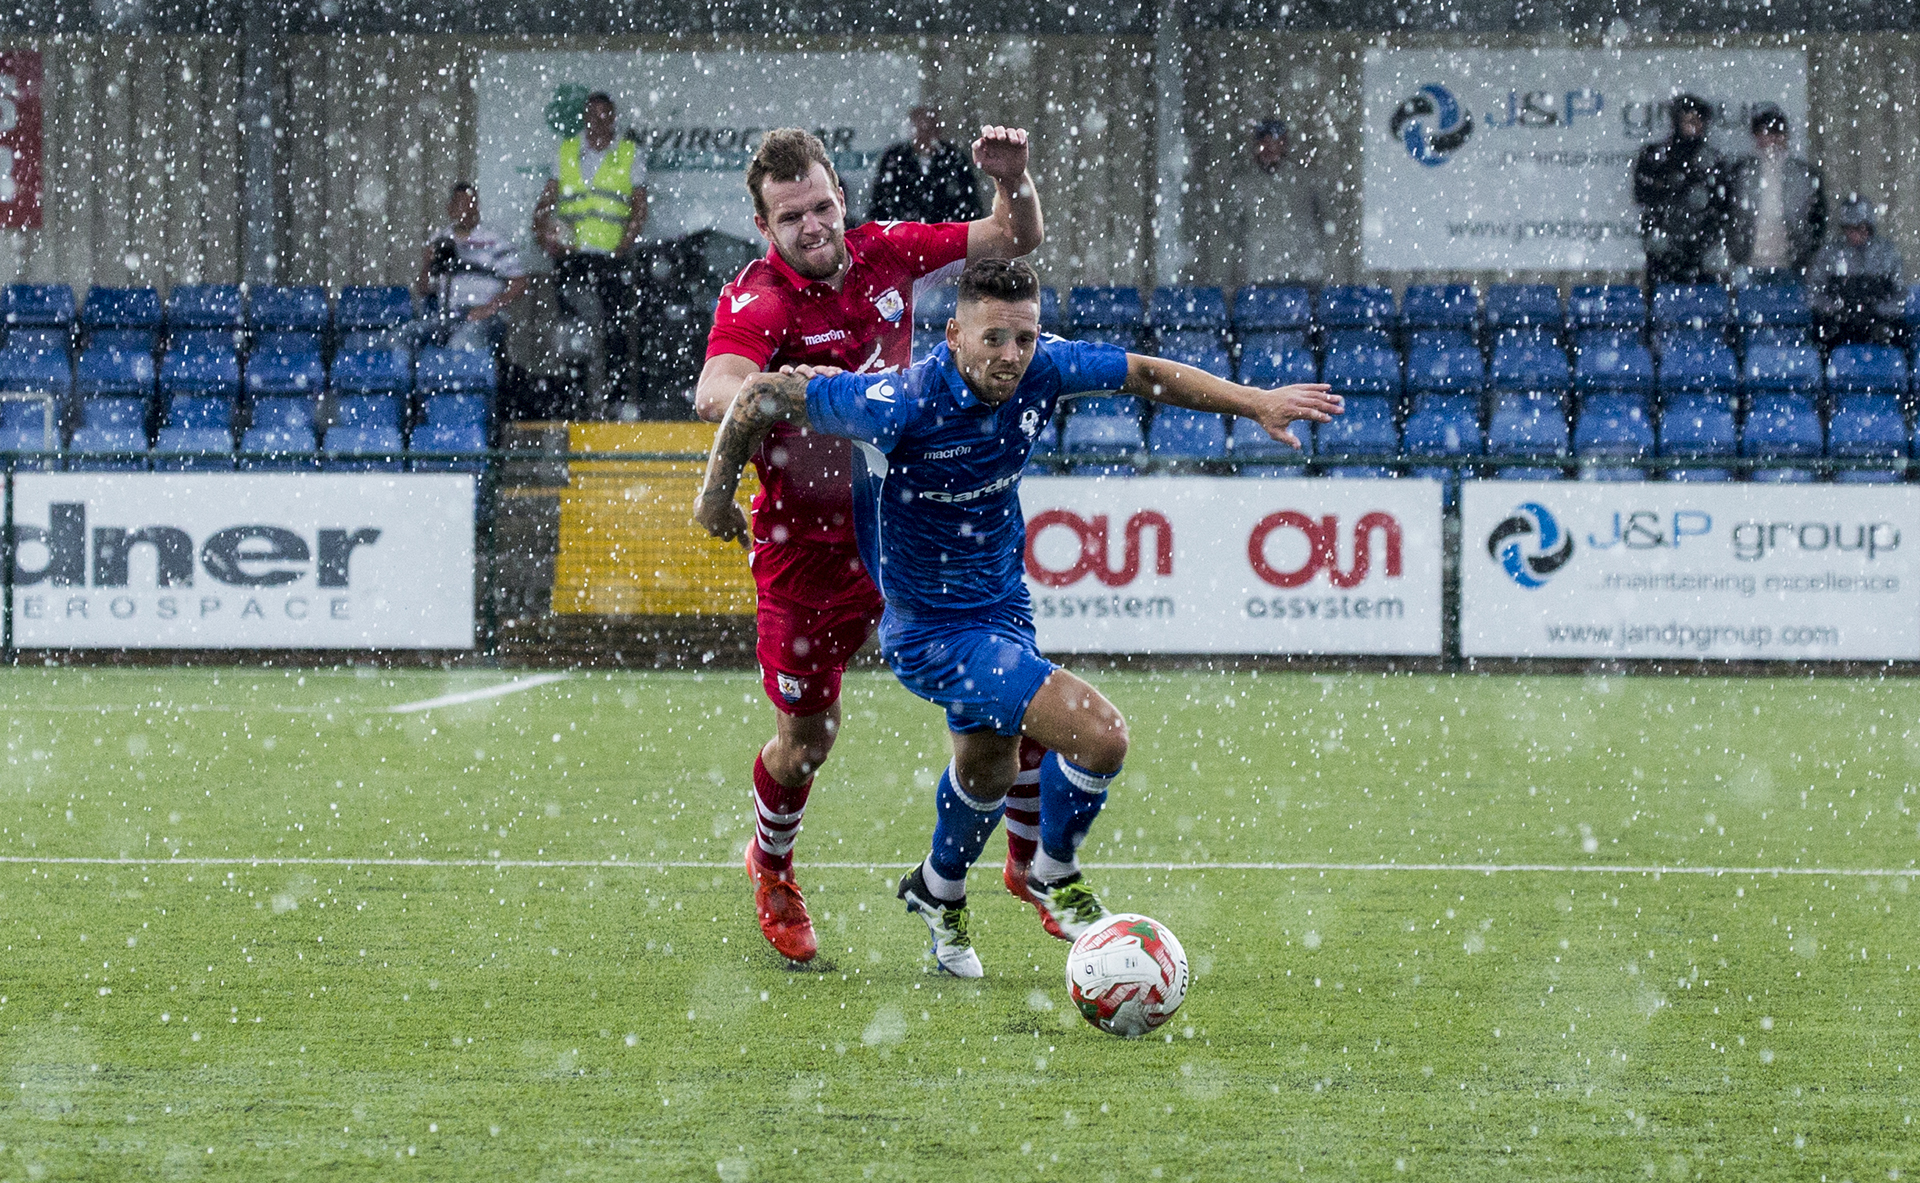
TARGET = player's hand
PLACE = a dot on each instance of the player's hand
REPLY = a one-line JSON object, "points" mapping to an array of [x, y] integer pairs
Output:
{"points": [[716, 512], [812, 372], [1001, 153], [1276, 410]]}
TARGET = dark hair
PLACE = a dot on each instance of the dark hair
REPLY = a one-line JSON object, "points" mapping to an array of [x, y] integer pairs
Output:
{"points": [[1692, 104], [598, 96], [1010, 281], [462, 187], [786, 154], [1769, 122]]}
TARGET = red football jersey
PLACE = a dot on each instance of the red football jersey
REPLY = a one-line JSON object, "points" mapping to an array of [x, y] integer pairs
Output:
{"points": [[773, 317]]}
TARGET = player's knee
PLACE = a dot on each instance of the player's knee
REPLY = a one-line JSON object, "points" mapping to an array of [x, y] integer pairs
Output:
{"points": [[1105, 750]]}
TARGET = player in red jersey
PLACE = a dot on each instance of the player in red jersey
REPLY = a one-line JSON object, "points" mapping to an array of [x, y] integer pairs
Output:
{"points": [[827, 296]]}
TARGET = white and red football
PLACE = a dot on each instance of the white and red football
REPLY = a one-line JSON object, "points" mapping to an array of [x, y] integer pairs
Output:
{"points": [[1127, 974]]}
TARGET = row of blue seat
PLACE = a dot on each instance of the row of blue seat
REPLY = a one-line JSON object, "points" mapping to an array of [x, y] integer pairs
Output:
{"points": [[207, 361], [114, 429], [207, 306], [1588, 306], [1615, 426]]}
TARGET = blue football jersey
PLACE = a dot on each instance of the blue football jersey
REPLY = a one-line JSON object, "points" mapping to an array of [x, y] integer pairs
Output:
{"points": [[937, 512]]}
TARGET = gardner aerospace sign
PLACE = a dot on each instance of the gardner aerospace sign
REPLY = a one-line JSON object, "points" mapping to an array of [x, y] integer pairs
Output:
{"points": [[243, 561], [1485, 158], [1233, 565], [1675, 570]]}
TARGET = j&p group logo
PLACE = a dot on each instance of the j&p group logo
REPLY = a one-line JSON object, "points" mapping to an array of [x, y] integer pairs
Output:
{"points": [[1529, 545], [1432, 125]]}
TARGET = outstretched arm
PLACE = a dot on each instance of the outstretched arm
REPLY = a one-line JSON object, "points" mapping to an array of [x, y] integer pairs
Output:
{"points": [[1184, 386], [1014, 228], [764, 399]]}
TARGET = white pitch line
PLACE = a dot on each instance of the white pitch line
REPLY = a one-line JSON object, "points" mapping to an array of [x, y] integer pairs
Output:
{"points": [[465, 696], [706, 865]]}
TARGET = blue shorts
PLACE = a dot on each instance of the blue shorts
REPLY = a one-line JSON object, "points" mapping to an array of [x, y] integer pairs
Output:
{"points": [[984, 671]]}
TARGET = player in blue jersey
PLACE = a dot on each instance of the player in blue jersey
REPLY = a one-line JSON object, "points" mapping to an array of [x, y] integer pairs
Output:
{"points": [[940, 528]]}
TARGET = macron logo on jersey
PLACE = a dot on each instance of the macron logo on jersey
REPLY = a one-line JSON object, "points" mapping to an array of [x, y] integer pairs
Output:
{"points": [[741, 300]]}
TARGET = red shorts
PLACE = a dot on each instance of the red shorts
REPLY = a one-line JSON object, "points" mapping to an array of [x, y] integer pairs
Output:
{"points": [[816, 608]]}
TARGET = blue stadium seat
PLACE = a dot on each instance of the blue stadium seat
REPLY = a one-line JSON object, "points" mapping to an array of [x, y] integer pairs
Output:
{"points": [[1778, 368], [1049, 310], [1268, 360], [459, 423], [110, 424], [211, 448], [1772, 305], [366, 307], [1354, 307], [1178, 434], [1530, 472], [1440, 306], [372, 371], [122, 308], [1185, 307], [1357, 339], [1524, 305], [1614, 426], [1259, 454], [287, 448], [1693, 363], [286, 362], [1698, 427], [200, 411], [200, 363], [107, 367], [1444, 362], [1691, 306], [1105, 308], [205, 306], [289, 309], [1200, 349], [1785, 336], [925, 339], [1527, 425], [1443, 425], [1365, 429], [1529, 359], [1272, 309], [1365, 369], [933, 308], [1102, 424], [1867, 427], [1119, 338], [36, 360], [28, 425], [1867, 369], [38, 305], [1606, 306], [1611, 359], [1782, 425], [364, 423], [1913, 306], [450, 371]]}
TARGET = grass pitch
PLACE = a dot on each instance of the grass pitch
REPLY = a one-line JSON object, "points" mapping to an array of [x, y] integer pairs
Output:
{"points": [[457, 987]]}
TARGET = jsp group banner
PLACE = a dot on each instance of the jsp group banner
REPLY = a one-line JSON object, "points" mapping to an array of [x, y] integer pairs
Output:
{"points": [[1675, 570], [697, 116], [1234, 565], [1477, 159], [243, 561]]}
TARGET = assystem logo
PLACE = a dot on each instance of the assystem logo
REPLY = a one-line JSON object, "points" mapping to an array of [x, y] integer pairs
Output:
{"points": [[1530, 545], [1432, 125]]}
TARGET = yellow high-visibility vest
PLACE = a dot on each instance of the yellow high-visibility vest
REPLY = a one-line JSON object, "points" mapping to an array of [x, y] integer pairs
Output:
{"points": [[597, 206]]}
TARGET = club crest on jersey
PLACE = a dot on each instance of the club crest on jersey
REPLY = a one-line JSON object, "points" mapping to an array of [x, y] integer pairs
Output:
{"points": [[1030, 422], [890, 306], [790, 687]]}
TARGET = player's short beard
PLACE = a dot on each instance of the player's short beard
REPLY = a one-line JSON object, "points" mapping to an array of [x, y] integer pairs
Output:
{"points": [[839, 260]]}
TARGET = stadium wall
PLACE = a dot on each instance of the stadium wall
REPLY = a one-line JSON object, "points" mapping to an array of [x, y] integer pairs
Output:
{"points": [[143, 151]]}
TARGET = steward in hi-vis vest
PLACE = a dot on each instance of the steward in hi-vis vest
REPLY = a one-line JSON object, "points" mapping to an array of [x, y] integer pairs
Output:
{"points": [[596, 207]]}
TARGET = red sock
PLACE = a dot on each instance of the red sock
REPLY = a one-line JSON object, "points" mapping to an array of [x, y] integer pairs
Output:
{"points": [[1023, 804], [776, 816]]}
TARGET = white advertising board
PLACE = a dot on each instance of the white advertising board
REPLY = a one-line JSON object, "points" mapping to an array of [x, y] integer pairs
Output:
{"points": [[1676, 570], [243, 561], [699, 116], [1480, 159], [1233, 565]]}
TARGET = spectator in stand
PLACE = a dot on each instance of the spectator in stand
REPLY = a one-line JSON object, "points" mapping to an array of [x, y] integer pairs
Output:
{"points": [[1680, 185], [473, 271], [1280, 216], [925, 179], [1854, 283], [1779, 207]]}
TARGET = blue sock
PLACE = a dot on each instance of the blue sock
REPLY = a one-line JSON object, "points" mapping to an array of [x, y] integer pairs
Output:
{"points": [[1070, 798], [960, 831]]}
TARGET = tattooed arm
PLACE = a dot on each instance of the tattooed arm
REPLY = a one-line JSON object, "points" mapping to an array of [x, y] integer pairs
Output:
{"points": [[764, 399]]}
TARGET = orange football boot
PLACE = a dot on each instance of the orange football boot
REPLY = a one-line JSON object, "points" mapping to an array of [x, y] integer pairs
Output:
{"points": [[783, 914], [1015, 877]]}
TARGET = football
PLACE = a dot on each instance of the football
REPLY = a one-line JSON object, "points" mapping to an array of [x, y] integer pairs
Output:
{"points": [[1127, 974]]}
